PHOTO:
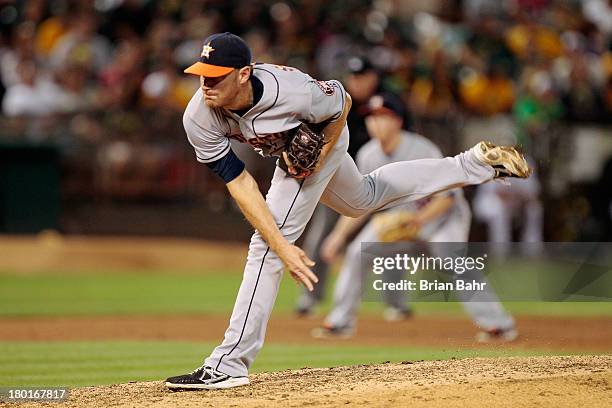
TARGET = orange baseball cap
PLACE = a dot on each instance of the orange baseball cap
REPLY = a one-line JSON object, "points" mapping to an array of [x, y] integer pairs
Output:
{"points": [[221, 53]]}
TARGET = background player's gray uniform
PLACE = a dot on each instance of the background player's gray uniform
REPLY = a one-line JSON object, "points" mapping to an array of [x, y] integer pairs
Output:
{"points": [[453, 226], [290, 96], [498, 205]]}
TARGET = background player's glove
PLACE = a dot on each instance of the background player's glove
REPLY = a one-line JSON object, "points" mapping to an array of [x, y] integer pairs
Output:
{"points": [[302, 151], [393, 226]]}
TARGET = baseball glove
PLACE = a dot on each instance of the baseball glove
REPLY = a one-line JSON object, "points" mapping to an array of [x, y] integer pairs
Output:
{"points": [[393, 226], [302, 151]]}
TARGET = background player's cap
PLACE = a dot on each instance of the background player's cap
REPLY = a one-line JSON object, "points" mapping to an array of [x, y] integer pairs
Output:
{"points": [[221, 53], [386, 103], [359, 65]]}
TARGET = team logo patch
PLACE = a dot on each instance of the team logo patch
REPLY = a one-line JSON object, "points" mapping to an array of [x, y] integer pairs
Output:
{"points": [[206, 50], [327, 88]]}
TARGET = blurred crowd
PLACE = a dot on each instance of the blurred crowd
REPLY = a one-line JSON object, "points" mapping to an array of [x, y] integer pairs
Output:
{"points": [[103, 79]]}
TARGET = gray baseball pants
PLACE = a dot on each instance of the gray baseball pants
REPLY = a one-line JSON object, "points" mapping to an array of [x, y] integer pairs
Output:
{"points": [[340, 186]]}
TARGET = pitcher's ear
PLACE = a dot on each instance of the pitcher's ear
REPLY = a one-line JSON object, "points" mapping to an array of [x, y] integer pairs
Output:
{"points": [[244, 74]]}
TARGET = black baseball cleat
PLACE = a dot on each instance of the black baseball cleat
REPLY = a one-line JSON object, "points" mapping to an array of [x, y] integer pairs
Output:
{"points": [[205, 378], [505, 160]]}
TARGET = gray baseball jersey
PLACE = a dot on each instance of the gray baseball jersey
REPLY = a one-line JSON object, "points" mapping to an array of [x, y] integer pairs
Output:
{"points": [[289, 97], [267, 124]]}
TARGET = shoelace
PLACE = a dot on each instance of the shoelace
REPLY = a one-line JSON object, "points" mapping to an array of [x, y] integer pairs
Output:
{"points": [[202, 371]]}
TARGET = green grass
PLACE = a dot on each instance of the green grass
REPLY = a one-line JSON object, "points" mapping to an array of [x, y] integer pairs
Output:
{"points": [[162, 292], [211, 293], [93, 363], [123, 293]]}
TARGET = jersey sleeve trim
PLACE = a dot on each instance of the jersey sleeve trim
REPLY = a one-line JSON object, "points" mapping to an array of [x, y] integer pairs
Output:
{"points": [[228, 167]]}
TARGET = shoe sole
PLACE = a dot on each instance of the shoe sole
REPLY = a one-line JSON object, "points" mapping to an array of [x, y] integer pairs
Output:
{"points": [[512, 162], [229, 383]]}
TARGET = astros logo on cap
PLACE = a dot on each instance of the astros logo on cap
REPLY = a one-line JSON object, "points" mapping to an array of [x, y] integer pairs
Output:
{"points": [[206, 50], [230, 52]]}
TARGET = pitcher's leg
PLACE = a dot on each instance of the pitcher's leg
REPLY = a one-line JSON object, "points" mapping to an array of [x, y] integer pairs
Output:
{"points": [[291, 203], [254, 302], [351, 193], [259, 287]]}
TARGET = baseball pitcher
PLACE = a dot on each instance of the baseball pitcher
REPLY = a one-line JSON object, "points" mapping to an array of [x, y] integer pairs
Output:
{"points": [[283, 112]]}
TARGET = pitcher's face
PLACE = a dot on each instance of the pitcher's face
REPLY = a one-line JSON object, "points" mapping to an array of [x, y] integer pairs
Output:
{"points": [[220, 91]]}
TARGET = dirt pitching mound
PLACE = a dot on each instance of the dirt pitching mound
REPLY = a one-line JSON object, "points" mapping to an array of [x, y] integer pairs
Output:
{"points": [[501, 382]]}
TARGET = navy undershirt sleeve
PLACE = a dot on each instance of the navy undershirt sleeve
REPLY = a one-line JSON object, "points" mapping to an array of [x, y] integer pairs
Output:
{"points": [[228, 167]]}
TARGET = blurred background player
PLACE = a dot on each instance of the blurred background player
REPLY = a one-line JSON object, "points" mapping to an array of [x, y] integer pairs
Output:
{"points": [[443, 217], [501, 206], [362, 81]]}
